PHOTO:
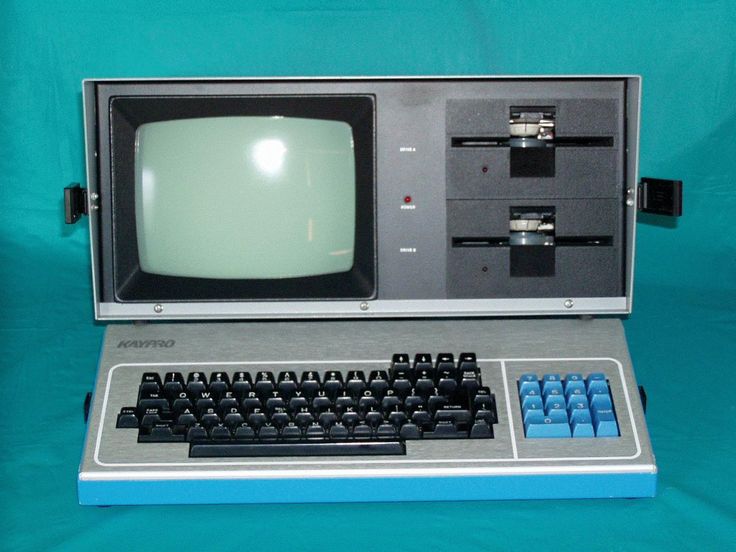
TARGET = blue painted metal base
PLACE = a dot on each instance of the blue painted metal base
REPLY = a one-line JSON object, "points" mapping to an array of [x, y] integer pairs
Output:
{"points": [[239, 491]]}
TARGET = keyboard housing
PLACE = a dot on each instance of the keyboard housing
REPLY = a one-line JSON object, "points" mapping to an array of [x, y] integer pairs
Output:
{"points": [[116, 469]]}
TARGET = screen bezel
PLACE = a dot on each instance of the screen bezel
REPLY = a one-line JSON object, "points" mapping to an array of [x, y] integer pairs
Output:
{"points": [[129, 284]]}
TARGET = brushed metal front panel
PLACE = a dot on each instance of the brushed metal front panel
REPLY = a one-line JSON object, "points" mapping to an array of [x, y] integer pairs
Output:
{"points": [[505, 349]]}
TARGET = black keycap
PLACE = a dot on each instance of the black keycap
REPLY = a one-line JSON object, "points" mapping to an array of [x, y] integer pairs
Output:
{"points": [[446, 383], [291, 431], [242, 384], [227, 405], [391, 402], [327, 418], [397, 418], [339, 432], [267, 432], [321, 402], [412, 402], [422, 361], [378, 382], [400, 367], [332, 383], [280, 417], [159, 433], [150, 381], [204, 402], [149, 416], [219, 384], [127, 417], [315, 431], [303, 418], [264, 384], [467, 361], [350, 419], [182, 403], [401, 386], [197, 433], [196, 383], [297, 403], [244, 433], [153, 399], [436, 401], [209, 418], [410, 431], [233, 419], [299, 448], [446, 363], [344, 400], [481, 430], [445, 430], [251, 402], [361, 430], [373, 417], [287, 384], [220, 432], [310, 384], [186, 419], [453, 413], [367, 401], [173, 385], [355, 383], [274, 402], [424, 384], [386, 431], [257, 418]]}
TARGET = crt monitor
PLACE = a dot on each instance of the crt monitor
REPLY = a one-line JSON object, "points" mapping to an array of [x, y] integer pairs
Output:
{"points": [[244, 197]]}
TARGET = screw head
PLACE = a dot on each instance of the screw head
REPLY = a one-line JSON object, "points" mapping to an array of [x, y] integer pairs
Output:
{"points": [[158, 308], [569, 303], [630, 202], [94, 196], [364, 306]]}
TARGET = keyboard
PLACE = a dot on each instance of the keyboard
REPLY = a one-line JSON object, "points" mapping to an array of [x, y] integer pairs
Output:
{"points": [[264, 413], [376, 410]]}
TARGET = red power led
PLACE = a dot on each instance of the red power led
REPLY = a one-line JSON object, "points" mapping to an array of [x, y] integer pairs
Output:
{"points": [[407, 199]]}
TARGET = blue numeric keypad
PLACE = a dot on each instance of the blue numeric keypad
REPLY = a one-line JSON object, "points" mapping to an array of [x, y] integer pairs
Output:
{"points": [[569, 406]]}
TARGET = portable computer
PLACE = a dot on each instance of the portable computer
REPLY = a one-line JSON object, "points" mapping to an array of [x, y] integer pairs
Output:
{"points": [[364, 289]]}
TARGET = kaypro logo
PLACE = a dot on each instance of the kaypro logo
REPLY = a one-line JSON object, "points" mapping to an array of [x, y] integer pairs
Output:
{"points": [[146, 344]]}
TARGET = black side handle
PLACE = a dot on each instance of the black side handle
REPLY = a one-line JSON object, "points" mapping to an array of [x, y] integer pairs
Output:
{"points": [[87, 403], [75, 203], [660, 197]]}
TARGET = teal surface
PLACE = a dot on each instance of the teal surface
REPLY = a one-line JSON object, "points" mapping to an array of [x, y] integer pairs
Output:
{"points": [[682, 333]]}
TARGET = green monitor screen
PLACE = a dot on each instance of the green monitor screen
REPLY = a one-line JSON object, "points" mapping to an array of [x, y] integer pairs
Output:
{"points": [[245, 197]]}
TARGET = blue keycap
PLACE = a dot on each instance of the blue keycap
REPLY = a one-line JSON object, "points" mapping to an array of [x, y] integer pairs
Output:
{"points": [[552, 388], [580, 415], [600, 401], [533, 416], [554, 402], [596, 382], [557, 416], [575, 388], [531, 402], [530, 388], [572, 378], [548, 429], [605, 424], [582, 424], [529, 381], [577, 402]]}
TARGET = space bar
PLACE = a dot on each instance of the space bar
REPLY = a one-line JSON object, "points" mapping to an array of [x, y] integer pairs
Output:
{"points": [[299, 448]]}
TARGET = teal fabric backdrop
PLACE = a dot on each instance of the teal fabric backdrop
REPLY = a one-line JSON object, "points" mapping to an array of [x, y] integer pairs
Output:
{"points": [[682, 333]]}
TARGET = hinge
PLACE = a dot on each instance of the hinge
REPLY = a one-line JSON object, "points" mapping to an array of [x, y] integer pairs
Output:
{"points": [[75, 203], [660, 197]]}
